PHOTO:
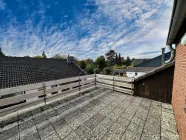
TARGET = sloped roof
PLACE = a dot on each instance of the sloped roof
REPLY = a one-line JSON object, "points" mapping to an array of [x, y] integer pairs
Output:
{"points": [[139, 61], [120, 70], [155, 62], [16, 71], [140, 69]]}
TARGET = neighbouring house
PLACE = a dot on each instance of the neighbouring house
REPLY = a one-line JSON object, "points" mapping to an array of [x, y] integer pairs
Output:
{"points": [[148, 65], [122, 72], [137, 71], [119, 72], [177, 36], [19, 71]]}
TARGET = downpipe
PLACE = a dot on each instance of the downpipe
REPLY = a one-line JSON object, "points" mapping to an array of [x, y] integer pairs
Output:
{"points": [[172, 54]]}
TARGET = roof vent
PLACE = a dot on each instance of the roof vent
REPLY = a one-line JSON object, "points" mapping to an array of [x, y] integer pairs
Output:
{"points": [[163, 56]]}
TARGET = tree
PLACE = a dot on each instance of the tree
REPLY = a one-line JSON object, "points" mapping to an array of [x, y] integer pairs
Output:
{"points": [[88, 61], [38, 56], [117, 62], [128, 61], [1, 53], [111, 57], [96, 70], [100, 62], [119, 59], [58, 56], [82, 64], [107, 71], [44, 55], [90, 68], [73, 58], [119, 67]]}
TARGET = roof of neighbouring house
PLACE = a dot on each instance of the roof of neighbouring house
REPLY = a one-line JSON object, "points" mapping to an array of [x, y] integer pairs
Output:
{"points": [[155, 62], [139, 61], [154, 71], [140, 69], [120, 70], [17, 71]]}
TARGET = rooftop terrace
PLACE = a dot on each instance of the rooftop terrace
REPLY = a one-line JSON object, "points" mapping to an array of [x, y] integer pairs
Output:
{"points": [[97, 113]]}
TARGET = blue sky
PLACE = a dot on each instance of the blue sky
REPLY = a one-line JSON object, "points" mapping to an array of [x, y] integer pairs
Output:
{"points": [[84, 28]]}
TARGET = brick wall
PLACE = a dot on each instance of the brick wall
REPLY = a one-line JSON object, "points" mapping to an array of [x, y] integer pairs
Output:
{"points": [[179, 90]]}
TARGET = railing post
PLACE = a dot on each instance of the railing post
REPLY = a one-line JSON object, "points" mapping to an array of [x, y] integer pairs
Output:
{"points": [[132, 89], [79, 84], [44, 89], [113, 83], [95, 79]]}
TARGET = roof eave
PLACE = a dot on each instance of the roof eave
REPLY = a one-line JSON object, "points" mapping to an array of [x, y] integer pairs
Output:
{"points": [[178, 19]]}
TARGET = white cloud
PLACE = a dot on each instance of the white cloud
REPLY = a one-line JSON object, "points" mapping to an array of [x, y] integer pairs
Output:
{"points": [[2, 5], [129, 26]]}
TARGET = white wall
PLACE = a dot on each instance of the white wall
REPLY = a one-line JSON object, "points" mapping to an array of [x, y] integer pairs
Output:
{"points": [[135, 74]]}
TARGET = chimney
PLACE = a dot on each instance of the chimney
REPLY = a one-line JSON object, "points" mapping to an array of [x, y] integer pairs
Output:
{"points": [[69, 61], [163, 56]]}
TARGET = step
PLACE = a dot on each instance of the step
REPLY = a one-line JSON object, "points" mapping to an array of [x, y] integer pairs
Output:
{"points": [[40, 120], [12, 118]]}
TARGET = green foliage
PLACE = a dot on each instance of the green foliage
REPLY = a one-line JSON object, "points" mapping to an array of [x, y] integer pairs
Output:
{"points": [[1, 53], [100, 62], [38, 56], [90, 68], [82, 64], [58, 56], [96, 70], [119, 67], [128, 61], [106, 71], [44, 55], [110, 56], [26, 56], [88, 61], [119, 59]]}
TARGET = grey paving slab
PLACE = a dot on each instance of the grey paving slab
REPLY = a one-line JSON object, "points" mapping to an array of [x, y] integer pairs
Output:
{"points": [[98, 132], [45, 130], [9, 131], [30, 134], [72, 136], [64, 131], [96, 119], [83, 132], [166, 135], [26, 123], [53, 136], [16, 137]]}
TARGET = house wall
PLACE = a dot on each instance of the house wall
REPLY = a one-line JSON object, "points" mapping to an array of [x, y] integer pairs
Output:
{"points": [[133, 74], [179, 90]]}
